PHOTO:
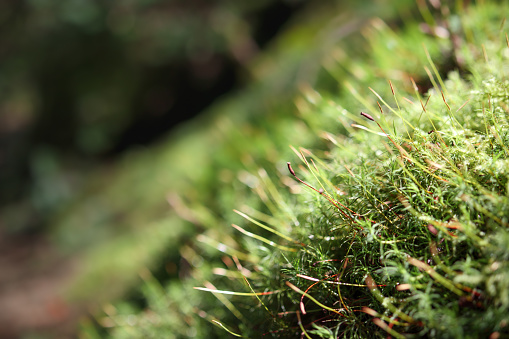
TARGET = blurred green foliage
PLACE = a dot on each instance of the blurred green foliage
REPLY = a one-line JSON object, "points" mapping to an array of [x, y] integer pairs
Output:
{"points": [[82, 80]]}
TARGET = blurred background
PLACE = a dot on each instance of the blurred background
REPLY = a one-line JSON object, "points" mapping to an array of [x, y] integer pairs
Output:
{"points": [[82, 83]]}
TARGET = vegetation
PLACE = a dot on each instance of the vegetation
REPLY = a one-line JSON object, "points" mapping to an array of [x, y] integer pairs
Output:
{"points": [[115, 75], [394, 224]]}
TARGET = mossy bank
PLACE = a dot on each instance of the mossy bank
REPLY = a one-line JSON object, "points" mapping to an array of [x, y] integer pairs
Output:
{"points": [[395, 223]]}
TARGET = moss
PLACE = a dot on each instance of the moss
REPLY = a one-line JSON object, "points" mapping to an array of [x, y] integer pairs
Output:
{"points": [[391, 226], [404, 220]]}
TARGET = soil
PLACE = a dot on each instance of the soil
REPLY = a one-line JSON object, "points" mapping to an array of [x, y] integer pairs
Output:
{"points": [[33, 279]]}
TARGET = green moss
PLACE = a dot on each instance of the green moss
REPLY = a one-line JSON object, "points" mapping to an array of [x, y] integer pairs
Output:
{"points": [[408, 222], [409, 228]]}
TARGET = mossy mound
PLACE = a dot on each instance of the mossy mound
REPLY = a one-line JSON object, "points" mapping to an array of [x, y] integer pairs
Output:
{"points": [[395, 224]]}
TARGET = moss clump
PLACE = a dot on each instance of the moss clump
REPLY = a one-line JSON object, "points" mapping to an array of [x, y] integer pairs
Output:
{"points": [[401, 223], [395, 225]]}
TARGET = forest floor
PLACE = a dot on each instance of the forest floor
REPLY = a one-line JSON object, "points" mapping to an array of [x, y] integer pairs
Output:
{"points": [[33, 277]]}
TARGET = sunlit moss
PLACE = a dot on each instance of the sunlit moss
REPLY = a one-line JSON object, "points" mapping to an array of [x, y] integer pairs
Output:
{"points": [[403, 231]]}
